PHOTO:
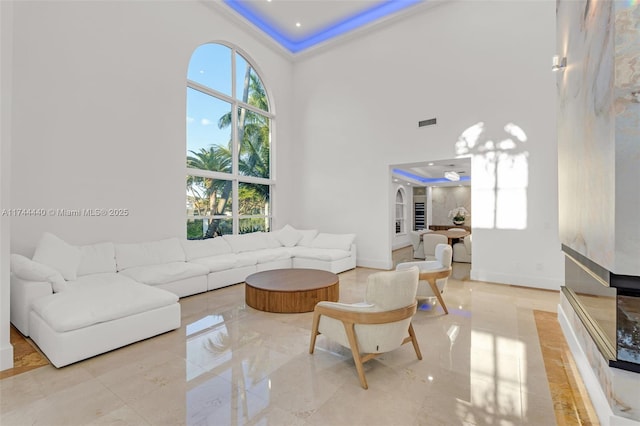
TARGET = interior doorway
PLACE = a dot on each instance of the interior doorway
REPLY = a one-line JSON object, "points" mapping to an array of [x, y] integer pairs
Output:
{"points": [[436, 193]]}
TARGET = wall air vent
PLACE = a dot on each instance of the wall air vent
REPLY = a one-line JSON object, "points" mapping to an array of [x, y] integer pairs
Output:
{"points": [[428, 122]]}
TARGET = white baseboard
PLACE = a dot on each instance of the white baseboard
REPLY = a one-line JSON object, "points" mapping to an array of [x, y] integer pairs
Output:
{"points": [[521, 280], [401, 246], [598, 398], [374, 264], [6, 357]]}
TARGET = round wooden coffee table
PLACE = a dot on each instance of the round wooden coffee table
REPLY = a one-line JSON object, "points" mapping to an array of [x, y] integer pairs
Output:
{"points": [[290, 290]]}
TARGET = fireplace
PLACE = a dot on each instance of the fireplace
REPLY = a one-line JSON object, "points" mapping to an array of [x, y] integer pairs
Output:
{"points": [[628, 322], [608, 306]]}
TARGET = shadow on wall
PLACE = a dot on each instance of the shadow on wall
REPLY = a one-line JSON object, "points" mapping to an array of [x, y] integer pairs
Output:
{"points": [[500, 176]]}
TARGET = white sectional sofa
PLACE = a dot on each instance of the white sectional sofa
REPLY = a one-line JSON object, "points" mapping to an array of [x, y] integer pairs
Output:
{"points": [[77, 302]]}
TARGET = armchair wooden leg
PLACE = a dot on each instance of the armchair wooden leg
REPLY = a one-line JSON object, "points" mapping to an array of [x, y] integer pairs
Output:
{"points": [[434, 288], [412, 335], [355, 351], [314, 331]]}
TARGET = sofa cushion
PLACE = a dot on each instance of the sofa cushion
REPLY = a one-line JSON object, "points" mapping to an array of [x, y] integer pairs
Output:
{"points": [[195, 249], [307, 237], [151, 253], [247, 242], [61, 256], [248, 258], [270, 254], [320, 254], [29, 270], [333, 241], [97, 258], [218, 263], [289, 236], [165, 273], [99, 298]]}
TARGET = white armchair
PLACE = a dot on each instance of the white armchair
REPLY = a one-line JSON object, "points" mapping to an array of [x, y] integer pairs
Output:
{"points": [[430, 242], [434, 274], [462, 250], [381, 324], [418, 245]]}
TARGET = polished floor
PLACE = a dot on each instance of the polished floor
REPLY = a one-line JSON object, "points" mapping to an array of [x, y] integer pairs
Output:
{"points": [[229, 364]]}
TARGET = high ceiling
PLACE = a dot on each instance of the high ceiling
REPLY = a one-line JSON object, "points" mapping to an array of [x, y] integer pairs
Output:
{"points": [[322, 22], [299, 25]]}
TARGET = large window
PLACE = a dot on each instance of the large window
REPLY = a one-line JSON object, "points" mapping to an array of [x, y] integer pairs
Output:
{"points": [[229, 138]]}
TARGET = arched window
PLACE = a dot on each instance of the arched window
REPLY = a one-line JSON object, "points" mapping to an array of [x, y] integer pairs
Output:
{"points": [[229, 140], [400, 211]]}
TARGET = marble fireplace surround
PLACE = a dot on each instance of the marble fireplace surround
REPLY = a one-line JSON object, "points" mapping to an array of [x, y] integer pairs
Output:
{"points": [[597, 179], [602, 335], [613, 392]]}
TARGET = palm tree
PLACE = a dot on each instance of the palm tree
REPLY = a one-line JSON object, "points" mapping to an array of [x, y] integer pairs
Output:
{"points": [[206, 191], [253, 134]]}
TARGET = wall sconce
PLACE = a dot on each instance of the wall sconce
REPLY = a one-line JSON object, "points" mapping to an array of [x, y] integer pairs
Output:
{"points": [[452, 176], [559, 63]]}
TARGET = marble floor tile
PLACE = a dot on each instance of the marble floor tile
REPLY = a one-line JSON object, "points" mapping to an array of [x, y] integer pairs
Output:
{"points": [[228, 364]]}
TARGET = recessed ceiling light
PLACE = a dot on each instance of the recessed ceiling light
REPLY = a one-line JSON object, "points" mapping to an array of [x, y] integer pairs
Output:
{"points": [[430, 164], [298, 24]]}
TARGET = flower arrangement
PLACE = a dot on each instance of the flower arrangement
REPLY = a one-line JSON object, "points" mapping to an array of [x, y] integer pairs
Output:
{"points": [[458, 215]]}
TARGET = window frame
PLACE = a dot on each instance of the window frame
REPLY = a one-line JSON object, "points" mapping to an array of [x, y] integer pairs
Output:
{"points": [[235, 177]]}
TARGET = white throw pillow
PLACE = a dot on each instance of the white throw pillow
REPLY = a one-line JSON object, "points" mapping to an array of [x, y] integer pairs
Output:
{"points": [[333, 241], [247, 242], [28, 270], [59, 255], [307, 237], [97, 258], [272, 239], [289, 236]]}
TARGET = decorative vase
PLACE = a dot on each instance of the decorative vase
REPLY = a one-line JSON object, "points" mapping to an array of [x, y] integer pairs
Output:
{"points": [[458, 222]]}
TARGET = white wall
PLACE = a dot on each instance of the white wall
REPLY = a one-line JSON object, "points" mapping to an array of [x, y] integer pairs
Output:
{"points": [[358, 106], [99, 114], [6, 27], [447, 198]]}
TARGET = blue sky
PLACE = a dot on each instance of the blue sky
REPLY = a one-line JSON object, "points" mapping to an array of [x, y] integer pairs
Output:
{"points": [[210, 66]]}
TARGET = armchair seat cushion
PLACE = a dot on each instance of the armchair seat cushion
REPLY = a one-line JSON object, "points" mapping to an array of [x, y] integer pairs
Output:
{"points": [[99, 298], [165, 273]]}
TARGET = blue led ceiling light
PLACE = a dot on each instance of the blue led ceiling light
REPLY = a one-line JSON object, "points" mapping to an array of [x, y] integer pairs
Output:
{"points": [[427, 180], [343, 26]]}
